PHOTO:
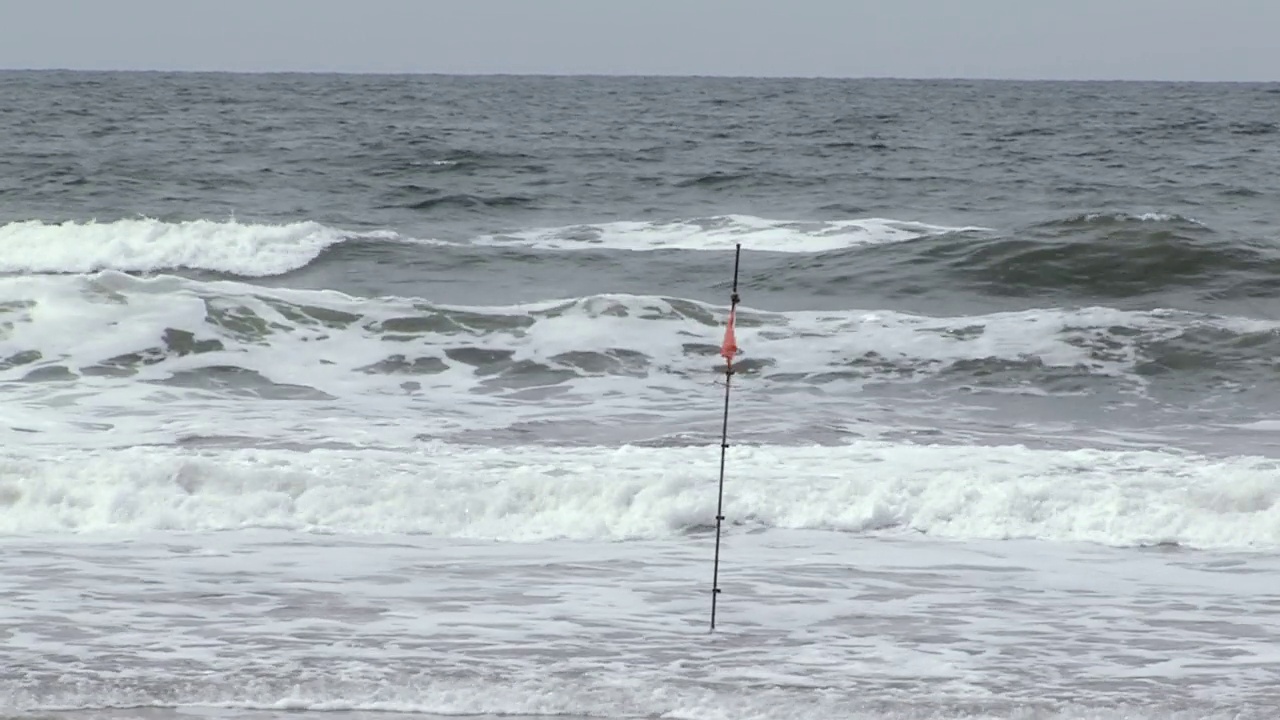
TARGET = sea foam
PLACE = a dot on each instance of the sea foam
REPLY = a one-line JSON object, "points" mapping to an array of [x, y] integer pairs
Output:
{"points": [[528, 494]]}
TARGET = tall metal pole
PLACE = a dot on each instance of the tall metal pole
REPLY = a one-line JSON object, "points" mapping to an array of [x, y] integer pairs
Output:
{"points": [[728, 353]]}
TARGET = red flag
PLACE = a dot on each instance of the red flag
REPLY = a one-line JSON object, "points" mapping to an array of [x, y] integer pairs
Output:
{"points": [[729, 347]]}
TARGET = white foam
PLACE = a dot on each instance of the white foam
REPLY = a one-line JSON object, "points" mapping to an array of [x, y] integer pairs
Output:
{"points": [[146, 244], [525, 494], [723, 232], [80, 325], [810, 625]]}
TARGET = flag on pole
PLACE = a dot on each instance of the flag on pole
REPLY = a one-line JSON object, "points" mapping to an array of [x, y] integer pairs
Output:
{"points": [[729, 347]]}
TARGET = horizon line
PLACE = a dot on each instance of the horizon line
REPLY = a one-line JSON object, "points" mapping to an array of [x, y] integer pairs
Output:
{"points": [[627, 75]]}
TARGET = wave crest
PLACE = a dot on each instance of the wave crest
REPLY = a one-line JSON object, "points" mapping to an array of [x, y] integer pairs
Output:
{"points": [[149, 245]]}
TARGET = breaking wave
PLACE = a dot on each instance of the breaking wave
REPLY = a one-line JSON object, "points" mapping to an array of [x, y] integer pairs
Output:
{"points": [[526, 494], [114, 324], [148, 245], [1090, 256]]}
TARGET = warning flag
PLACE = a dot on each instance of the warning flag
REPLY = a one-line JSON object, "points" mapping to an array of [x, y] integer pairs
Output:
{"points": [[729, 347]]}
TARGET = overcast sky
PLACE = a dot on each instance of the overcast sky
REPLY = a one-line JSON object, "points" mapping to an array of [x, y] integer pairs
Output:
{"points": [[1060, 39]]}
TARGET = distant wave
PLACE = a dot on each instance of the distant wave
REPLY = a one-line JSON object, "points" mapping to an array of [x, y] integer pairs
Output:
{"points": [[262, 250], [723, 232], [470, 202], [1104, 254], [1119, 218], [1078, 258], [1091, 255], [1074, 259]]}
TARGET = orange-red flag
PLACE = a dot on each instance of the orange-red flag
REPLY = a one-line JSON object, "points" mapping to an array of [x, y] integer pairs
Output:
{"points": [[729, 347]]}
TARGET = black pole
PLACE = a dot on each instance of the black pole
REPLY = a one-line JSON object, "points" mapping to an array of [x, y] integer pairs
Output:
{"points": [[724, 445]]}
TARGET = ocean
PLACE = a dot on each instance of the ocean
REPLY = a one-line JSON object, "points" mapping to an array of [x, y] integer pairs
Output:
{"points": [[338, 397]]}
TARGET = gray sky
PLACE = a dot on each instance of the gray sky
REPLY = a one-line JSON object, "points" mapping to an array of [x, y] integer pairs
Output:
{"points": [[1068, 39]]}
